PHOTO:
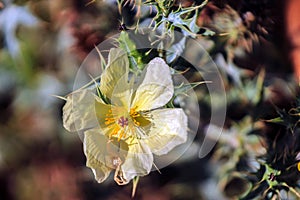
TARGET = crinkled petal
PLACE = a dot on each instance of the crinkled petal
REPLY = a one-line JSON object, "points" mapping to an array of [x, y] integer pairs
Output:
{"points": [[169, 130], [118, 67], [84, 110], [95, 150], [102, 155], [138, 161], [156, 88], [100, 171]]}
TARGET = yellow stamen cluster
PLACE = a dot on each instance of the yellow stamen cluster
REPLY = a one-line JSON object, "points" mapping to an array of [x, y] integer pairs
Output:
{"points": [[109, 118], [134, 115], [111, 121]]}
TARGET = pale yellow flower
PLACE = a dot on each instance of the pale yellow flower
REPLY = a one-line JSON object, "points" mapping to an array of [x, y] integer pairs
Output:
{"points": [[123, 130]]}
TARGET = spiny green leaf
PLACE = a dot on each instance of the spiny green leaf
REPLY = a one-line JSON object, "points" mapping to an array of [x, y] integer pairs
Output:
{"points": [[268, 176], [183, 18]]}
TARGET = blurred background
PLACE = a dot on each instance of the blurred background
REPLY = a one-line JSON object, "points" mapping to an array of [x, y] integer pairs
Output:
{"points": [[43, 43]]}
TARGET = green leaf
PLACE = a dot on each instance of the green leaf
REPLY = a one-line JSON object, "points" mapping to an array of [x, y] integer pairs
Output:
{"points": [[135, 58], [183, 18], [188, 25], [268, 174], [276, 120]]}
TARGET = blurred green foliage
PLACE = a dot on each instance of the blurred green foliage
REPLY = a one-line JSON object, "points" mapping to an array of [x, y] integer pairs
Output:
{"points": [[257, 155]]}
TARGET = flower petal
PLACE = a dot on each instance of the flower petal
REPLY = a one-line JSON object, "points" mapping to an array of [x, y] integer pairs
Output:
{"points": [[122, 93], [102, 155], [84, 110], [138, 161], [169, 130], [100, 171], [94, 150], [156, 88], [118, 67]]}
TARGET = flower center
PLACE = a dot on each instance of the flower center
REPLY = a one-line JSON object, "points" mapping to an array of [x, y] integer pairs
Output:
{"points": [[120, 121], [116, 123]]}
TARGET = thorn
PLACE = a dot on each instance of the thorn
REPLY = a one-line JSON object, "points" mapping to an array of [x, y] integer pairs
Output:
{"points": [[135, 182], [156, 168], [89, 3], [103, 63], [63, 98]]}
